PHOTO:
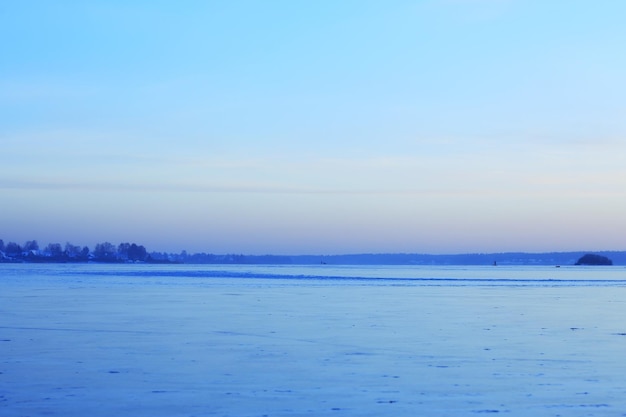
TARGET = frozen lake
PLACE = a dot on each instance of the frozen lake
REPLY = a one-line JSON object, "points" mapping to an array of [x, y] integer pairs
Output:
{"points": [[206, 340]]}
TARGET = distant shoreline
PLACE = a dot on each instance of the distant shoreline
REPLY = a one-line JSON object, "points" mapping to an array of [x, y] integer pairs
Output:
{"points": [[495, 259]]}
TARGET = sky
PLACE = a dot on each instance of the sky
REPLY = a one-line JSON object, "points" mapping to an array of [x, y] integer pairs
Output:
{"points": [[315, 127]]}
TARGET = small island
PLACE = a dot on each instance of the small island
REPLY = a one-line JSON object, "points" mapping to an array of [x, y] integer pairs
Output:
{"points": [[591, 259]]}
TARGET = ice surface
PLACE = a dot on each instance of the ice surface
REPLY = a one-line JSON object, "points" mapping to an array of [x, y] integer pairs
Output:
{"points": [[133, 340]]}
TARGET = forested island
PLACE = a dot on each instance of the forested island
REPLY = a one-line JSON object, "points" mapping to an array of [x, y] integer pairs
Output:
{"points": [[593, 259], [125, 252]]}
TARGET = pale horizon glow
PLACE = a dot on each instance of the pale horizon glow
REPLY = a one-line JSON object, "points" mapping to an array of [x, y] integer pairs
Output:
{"points": [[436, 126]]}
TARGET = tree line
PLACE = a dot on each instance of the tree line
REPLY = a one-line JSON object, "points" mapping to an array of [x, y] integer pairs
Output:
{"points": [[107, 252], [131, 252], [55, 252]]}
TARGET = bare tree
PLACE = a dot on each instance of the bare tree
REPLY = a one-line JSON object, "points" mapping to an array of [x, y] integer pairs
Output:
{"points": [[54, 250], [105, 252], [31, 245]]}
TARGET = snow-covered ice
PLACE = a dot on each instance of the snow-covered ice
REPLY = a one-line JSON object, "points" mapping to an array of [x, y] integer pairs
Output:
{"points": [[140, 340]]}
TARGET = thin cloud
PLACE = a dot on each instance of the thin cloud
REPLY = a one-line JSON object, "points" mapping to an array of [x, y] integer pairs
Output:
{"points": [[257, 188]]}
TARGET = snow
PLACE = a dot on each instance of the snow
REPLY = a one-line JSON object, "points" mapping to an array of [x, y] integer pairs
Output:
{"points": [[144, 341]]}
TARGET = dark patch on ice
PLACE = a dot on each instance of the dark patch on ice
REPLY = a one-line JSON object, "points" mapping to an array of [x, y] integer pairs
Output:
{"points": [[114, 372], [619, 334], [387, 401], [576, 328], [485, 411], [5, 340], [228, 333], [158, 391]]}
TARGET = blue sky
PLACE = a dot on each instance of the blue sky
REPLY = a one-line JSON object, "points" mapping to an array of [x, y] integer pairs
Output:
{"points": [[435, 126]]}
